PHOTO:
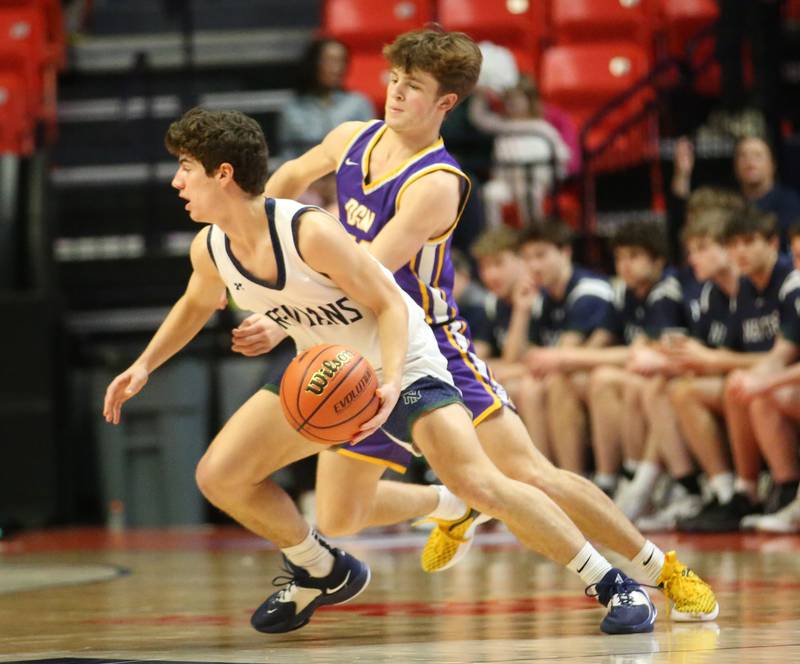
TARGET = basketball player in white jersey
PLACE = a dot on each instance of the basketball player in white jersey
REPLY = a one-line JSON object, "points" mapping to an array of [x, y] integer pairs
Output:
{"points": [[402, 193], [280, 256]]}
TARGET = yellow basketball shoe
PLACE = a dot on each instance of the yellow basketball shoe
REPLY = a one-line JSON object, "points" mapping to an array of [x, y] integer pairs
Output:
{"points": [[690, 598], [450, 541]]}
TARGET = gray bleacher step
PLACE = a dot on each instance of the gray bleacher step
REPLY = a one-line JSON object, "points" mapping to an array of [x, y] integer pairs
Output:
{"points": [[211, 48], [114, 109]]}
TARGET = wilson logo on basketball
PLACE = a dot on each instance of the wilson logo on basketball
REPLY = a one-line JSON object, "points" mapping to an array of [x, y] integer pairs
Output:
{"points": [[322, 376]]}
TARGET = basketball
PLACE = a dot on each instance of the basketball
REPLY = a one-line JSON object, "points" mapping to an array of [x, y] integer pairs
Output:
{"points": [[328, 392]]}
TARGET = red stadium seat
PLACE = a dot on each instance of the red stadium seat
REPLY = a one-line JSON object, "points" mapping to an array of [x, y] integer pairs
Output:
{"points": [[519, 25], [575, 21], [582, 78], [370, 24], [54, 26], [683, 20], [16, 129], [369, 73], [23, 45]]}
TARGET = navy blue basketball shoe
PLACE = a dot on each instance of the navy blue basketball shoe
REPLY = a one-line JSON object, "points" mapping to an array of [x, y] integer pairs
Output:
{"points": [[291, 607], [630, 610]]}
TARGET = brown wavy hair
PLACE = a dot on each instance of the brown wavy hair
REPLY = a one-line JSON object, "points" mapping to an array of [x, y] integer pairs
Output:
{"points": [[217, 137], [452, 58]]}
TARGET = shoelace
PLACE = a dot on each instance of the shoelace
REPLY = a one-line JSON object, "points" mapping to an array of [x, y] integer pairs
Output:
{"points": [[621, 589], [289, 580], [691, 583]]}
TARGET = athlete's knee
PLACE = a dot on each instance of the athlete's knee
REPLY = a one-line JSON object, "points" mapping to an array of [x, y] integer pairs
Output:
{"points": [[531, 390], [557, 385], [651, 390], [762, 407], [601, 378], [730, 397], [337, 522], [680, 391], [211, 480], [478, 492], [540, 476]]}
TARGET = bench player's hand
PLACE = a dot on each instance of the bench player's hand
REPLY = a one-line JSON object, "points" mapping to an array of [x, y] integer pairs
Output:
{"points": [[542, 361], [389, 393], [745, 386], [122, 388], [256, 335]]}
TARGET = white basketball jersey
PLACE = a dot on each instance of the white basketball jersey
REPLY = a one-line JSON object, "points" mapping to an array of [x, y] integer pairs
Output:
{"points": [[312, 308]]}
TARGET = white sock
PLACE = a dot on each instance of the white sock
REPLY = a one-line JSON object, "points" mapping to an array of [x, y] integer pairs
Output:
{"points": [[631, 465], [748, 487], [650, 560], [450, 506], [645, 479], [606, 481], [589, 565], [722, 486], [311, 555]]}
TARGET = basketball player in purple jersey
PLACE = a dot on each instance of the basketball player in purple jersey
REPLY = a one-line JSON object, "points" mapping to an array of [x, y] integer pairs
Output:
{"points": [[400, 191]]}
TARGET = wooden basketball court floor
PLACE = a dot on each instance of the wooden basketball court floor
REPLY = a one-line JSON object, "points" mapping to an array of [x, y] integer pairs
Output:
{"points": [[185, 595]]}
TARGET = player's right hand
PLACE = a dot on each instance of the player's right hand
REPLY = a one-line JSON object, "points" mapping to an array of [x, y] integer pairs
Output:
{"points": [[684, 156], [524, 293], [256, 335], [388, 393], [122, 388]]}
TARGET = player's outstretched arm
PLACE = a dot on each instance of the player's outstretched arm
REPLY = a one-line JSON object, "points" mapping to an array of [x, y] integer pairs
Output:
{"points": [[295, 175], [186, 318], [327, 248]]}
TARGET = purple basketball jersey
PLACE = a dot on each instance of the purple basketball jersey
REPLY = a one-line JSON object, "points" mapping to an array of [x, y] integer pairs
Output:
{"points": [[366, 207]]}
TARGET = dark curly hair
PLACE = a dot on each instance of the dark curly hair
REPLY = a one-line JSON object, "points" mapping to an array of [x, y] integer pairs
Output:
{"points": [[646, 235], [217, 137]]}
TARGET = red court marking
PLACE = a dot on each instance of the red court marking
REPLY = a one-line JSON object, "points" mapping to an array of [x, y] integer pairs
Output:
{"points": [[546, 604], [179, 619], [234, 538]]}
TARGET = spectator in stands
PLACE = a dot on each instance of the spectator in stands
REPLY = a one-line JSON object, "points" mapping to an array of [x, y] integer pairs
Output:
{"points": [[768, 295], [646, 302], [319, 104], [320, 101], [528, 153], [754, 169]]}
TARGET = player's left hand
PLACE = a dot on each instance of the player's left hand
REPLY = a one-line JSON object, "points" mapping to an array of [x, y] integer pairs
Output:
{"points": [[747, 385], [542, 361], [388, 393], [256, 335], [646, 362], [688, 355]]}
